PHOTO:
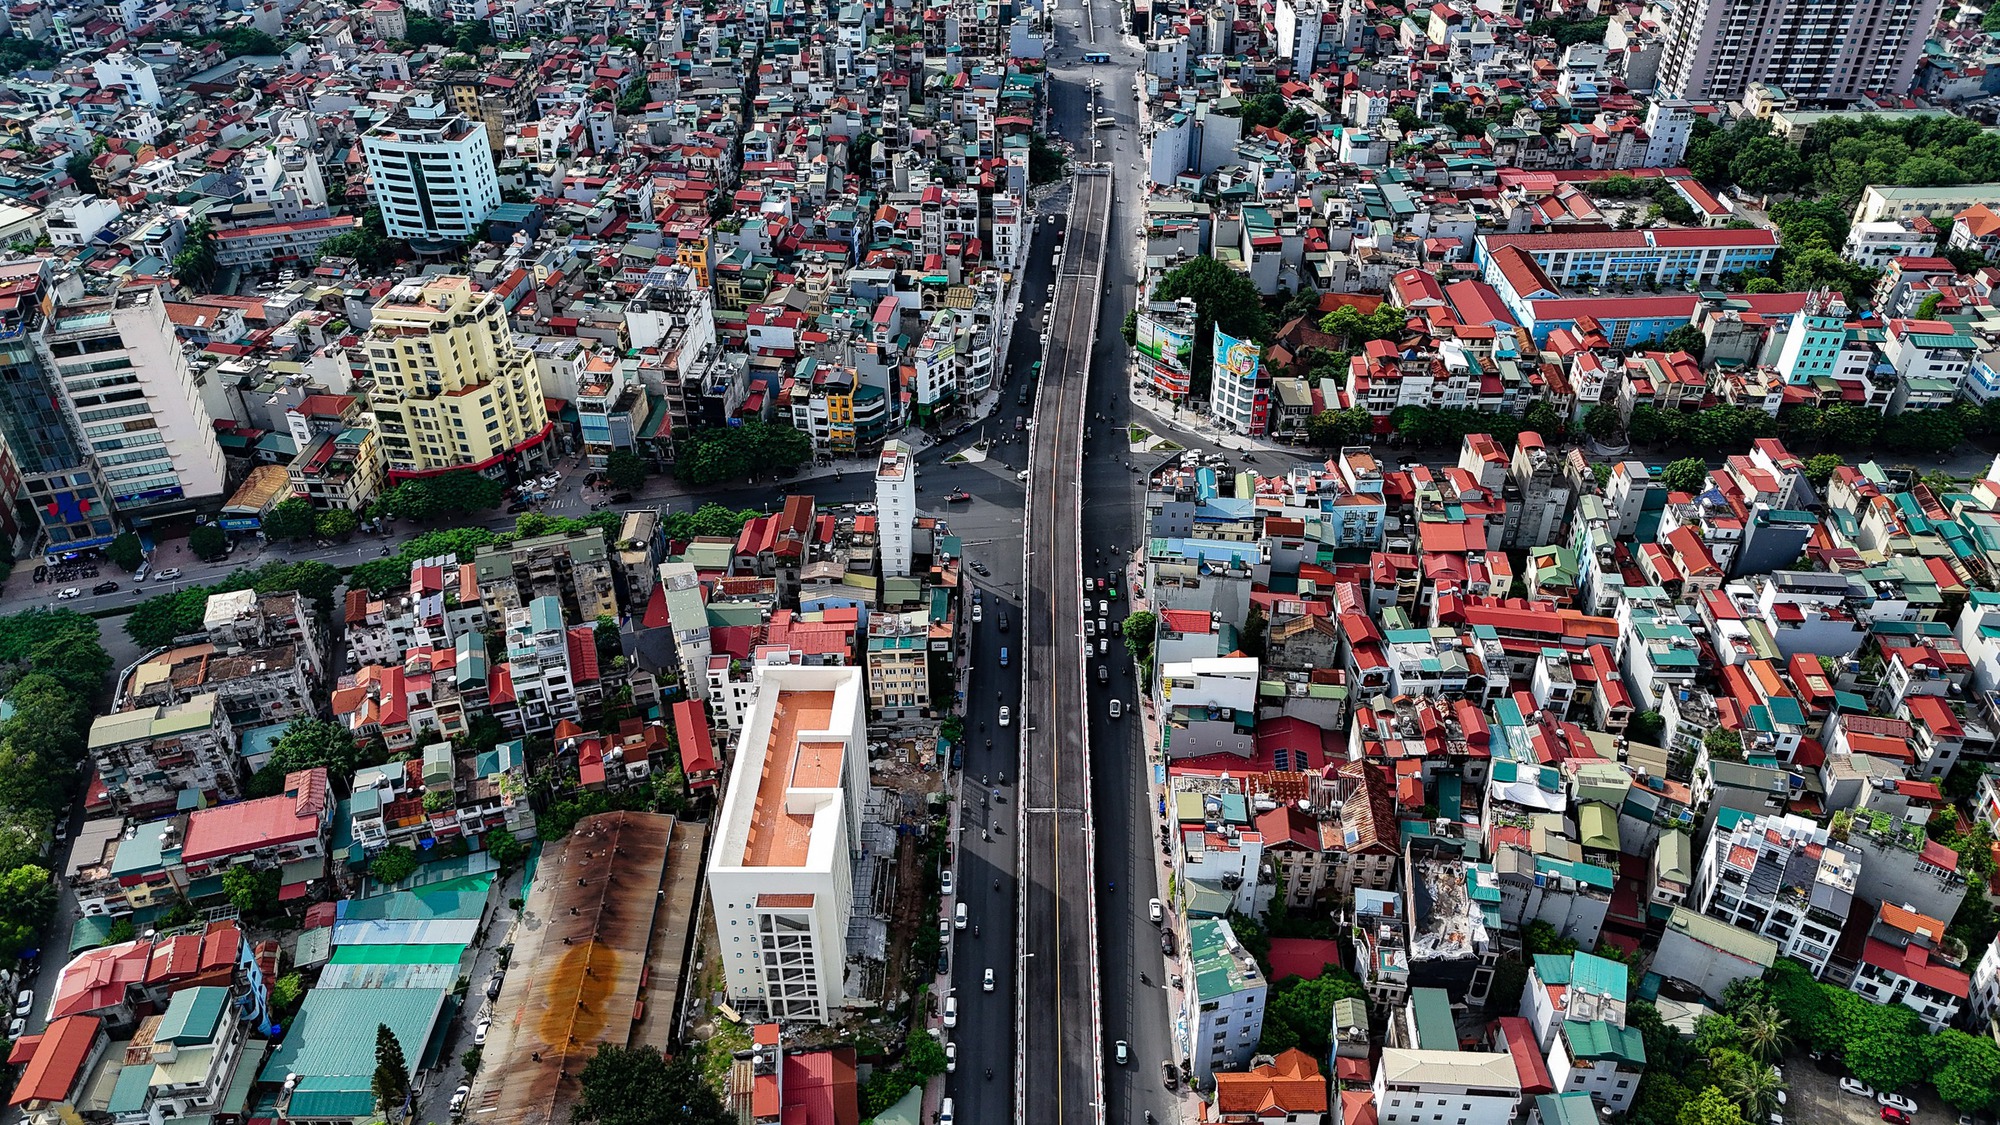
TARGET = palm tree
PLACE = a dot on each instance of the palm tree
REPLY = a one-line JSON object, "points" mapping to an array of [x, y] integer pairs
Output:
{"points": [[1754, 1087], [1764, 1037]]}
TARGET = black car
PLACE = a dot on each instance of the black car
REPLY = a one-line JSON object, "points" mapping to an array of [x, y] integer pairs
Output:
{"points": [[621, 498], [1003, 622], [517, 507], [105, 588]]}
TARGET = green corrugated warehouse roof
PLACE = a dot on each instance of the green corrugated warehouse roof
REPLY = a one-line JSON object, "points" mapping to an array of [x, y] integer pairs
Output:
{"points": [[398, 954], [334, 1058]]}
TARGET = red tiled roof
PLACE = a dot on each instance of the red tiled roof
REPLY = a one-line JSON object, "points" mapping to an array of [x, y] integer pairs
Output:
{"points": [[1914, 962], [57, 1064], [228, 830]]}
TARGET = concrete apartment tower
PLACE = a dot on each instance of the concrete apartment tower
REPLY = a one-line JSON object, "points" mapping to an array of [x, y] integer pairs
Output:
{"points": [[895, 507]]}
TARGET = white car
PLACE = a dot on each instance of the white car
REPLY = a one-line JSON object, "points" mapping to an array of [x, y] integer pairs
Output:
{"points": [[16, 1027], [987, 984], [1896, 1101], [1103, 645], [950, 1058], [167, 575], [1104, 605], [1156, 910], [25, 1002], [1857, 1087], [958, 916], [945, 884], [479, 1032], [1104, 626], [951, 1011], [458, 1097], [978, 613], [1117, 708], [68, 592], [945, 1116], [1089, 627], [1006, 716]]}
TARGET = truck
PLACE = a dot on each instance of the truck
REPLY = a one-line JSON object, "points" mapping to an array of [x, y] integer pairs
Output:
{"points": [[1106, 122]]}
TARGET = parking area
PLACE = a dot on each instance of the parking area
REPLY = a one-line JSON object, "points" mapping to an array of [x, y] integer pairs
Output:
{"points": [[1815, 1098]]}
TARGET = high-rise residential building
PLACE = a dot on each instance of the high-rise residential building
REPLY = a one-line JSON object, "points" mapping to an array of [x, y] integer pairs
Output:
{"points": [[896, 507], [452, 389], [430, 170], [1812, 49], [52, 478], [137, 403], [780, 873]]}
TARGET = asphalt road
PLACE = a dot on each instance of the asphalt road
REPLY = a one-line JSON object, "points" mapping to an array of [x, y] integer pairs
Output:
{"points": [[1060, 1045], [1128, 943], [989, 528]]}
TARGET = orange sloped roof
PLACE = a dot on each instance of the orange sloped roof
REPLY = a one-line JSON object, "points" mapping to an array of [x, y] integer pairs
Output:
{"points": [[1289, 1084]]}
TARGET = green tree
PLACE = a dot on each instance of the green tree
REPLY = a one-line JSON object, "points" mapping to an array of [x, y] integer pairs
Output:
{"points": [[625, 470], [1990, 21], [1820, 468], [1964, 1069], [126, 552], [1224, 299], [1602, 422], [1646, 727], [391, 1084], [194, 266], [635, 1086], [1689, 474], [1710, 1107], [1923, 432], [335, 523], [287, 993], [1765, 1033], [1927, 308], [1138, 629], [307, 744], [1687, 338], [1884, 1042], [1335, 429], [393, 865], [368, 243], [1723, 744], [505, 849], [720, 453], [208, 542], [252, 890], [1543, 418], [1751, 1084], [27, 899], [1046, 163], [1264, 109], [79, 168], [290, 518], [1355, 329], [1299, 1012]]}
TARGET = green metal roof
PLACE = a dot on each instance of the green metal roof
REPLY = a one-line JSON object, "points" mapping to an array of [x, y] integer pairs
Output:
{"points": [[1599, 826], [1602, 1039], [1435, 1028], [446, 954], [1602, 976], [192, 1016], [328, 1048]]}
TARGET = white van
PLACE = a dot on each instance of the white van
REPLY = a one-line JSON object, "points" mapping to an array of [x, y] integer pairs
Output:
{"points": [[958, 916]]}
